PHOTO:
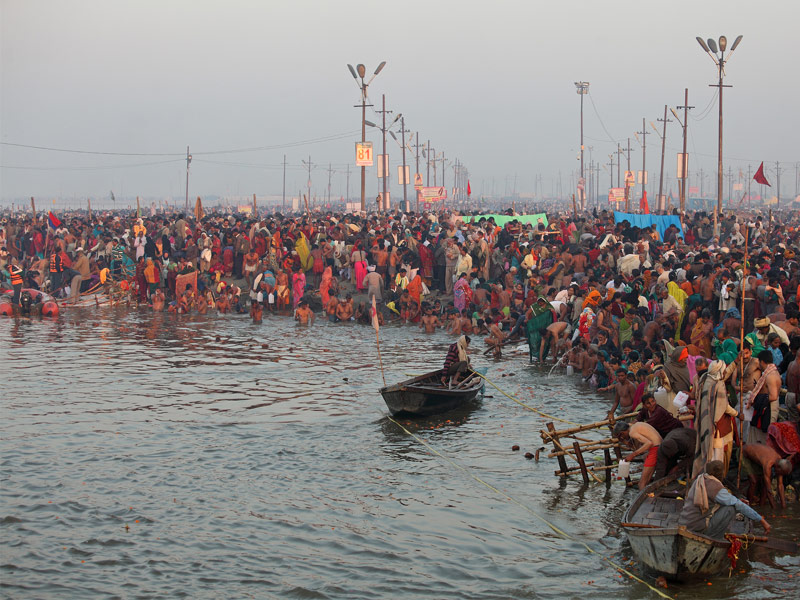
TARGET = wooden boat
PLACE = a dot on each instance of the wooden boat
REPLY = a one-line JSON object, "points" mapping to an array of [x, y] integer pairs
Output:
{"points": [[661, 545], [426, 395]]}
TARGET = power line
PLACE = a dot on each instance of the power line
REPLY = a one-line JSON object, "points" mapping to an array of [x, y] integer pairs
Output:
{"points": [[91, 168], [610, 137], [327, 138]]}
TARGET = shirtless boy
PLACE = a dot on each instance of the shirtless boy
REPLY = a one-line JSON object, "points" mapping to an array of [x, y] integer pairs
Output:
{"points": [[624, 391], [646, 439]]}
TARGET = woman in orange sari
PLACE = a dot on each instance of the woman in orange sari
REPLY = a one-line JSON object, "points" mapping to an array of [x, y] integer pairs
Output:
{"points": [[414, 290], [325, 285]]}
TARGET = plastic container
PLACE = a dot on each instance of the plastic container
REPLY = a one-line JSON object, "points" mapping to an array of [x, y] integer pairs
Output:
{"points": [[623, 468], [680, 400], [570, 370]]}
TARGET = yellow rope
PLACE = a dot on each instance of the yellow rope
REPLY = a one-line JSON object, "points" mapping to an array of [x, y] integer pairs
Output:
{"points": [[536, 410], [555, 528]]}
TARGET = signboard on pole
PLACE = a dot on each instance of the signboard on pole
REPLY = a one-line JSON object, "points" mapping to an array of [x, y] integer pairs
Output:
{"points": [[417, 181], [693, 190], [629, 178], [616, 195], [434, 194], [403, 174], [640, 177], [682, 160], [363, 154], [383, 165]]}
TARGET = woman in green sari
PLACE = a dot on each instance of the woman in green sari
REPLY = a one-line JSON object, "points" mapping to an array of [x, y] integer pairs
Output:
{"points": [[540, 315]]}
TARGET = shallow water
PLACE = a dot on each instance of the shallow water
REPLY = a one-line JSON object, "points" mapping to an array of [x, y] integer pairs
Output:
{"points": [[143, 458]]}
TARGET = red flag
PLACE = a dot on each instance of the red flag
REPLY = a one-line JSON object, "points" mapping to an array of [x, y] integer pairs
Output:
{"points": [[469, 189], [54, 221], [643, 206], [759, 176]]}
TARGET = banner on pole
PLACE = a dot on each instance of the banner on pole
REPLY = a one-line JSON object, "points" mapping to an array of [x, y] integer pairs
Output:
{"points": [[616, 194], [403, 174], [434, 194], [383, 165], [682, 163], [639, 178]]}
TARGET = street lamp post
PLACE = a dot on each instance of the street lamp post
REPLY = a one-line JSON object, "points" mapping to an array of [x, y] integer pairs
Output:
{"points": [[718, 56], [359, 72], [582, 90]]}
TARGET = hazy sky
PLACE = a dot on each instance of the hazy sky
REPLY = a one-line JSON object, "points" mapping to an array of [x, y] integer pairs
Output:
{"points": [[490, 83]]}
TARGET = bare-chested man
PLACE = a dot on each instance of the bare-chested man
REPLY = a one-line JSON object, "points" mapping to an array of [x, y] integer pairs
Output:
{"points": [[158, 300], [344, 310], [624, 391], [768, 393], [330, 308], [647, 440], [495, 339], [760, 460], [282, 289], [466, 322], [793, 386], [303, 314], [430, 322]]}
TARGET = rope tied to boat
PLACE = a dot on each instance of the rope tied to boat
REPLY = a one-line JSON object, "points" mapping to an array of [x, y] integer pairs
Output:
{"points": [[511, 397], [557, 530]]}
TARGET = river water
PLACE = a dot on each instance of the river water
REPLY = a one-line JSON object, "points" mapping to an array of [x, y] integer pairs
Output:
{"points": [[155, 456]]}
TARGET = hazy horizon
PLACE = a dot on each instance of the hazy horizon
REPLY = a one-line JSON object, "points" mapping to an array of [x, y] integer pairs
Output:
{"points": [[490, 85]]}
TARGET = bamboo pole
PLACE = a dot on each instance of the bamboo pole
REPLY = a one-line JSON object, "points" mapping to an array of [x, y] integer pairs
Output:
{"points": [[593, 448], [579, 428]]}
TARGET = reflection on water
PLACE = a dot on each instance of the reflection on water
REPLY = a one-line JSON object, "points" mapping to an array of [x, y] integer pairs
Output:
{"points": [[153, 456]]}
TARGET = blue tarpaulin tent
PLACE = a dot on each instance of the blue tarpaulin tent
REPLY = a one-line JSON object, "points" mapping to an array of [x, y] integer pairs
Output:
{"points": [[642, 221]]}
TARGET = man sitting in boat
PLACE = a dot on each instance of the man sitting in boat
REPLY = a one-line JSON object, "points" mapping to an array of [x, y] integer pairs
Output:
{"points": [[456, 363], [709, 508]]}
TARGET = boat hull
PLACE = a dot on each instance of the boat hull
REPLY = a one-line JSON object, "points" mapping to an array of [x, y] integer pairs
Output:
{"points": [[421, 397]]}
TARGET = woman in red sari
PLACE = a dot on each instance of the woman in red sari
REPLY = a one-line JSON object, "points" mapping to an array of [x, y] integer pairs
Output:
{"points": [[414, 290], [426, 262]]}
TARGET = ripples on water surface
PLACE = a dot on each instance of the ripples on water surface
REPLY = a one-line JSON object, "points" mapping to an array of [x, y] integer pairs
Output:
{"points": [[142, 457]]}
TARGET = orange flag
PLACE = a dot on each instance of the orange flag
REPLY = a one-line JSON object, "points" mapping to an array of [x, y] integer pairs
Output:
{"points": [[375, 315]]}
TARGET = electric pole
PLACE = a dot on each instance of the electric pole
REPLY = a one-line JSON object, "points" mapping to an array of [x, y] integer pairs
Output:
{"points": [[644, 133], [330, 172], [620, 152], [665, 120], [188, 162], [778, 184], [582, 88], [283, 201], [309, 165], [417, 146], [684, 170], [405, 173], [428, 159]]}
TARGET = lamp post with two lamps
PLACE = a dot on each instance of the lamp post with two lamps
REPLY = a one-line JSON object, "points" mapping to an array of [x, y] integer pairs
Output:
{"points": [[360, 72], [717, 54]]}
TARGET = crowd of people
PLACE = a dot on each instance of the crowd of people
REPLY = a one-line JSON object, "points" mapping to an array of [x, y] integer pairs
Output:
{"points": [[655, 315]]}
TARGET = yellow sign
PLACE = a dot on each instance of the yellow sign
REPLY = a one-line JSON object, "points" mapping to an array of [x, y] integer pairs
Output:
{"points": [[363, 154], [418, 181]]}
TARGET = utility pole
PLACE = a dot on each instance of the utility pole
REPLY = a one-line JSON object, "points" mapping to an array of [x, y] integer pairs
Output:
{"points": [[730, 186], [628, 187], [778, 184], [611, 170], [702, 186], [685, 156], [330, 172], [188, 162], [283, 201], [432, 159], [665, 120], [620, 152], [644, 133], [749, 179], [428, 158], [582, 88], [417, 146], [309, 165], [360, 72], [348, 184], [385, 166], [406, 207]]}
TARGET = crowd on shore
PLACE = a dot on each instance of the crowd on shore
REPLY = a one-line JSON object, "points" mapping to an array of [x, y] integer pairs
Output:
{"points": [[648, 312]]}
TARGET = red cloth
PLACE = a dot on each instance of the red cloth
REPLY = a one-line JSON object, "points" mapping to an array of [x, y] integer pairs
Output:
{"points": [[759, 177], [643, 206], [784, 439], [469, 189], [652, 456]]}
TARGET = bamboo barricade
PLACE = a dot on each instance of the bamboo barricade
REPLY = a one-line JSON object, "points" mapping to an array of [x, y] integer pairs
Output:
{"points": [[582, 445]]}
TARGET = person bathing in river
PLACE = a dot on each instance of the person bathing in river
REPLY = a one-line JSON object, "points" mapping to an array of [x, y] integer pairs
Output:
{"points": [[624, 391], [456, 363], [430, 321]]}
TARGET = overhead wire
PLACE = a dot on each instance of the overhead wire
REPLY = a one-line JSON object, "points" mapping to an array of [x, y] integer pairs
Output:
{"points": [[599, 118]]}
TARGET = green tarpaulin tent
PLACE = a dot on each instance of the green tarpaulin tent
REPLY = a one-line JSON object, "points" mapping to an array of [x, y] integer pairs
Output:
{"points": [[503, 219]]}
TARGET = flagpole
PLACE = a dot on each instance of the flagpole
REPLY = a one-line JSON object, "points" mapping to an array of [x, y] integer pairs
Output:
{"points": [[376, 326], [380, 360], [741, 362]]}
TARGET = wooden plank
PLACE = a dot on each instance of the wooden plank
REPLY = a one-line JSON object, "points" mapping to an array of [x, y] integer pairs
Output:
{"points": [[562, 463]]}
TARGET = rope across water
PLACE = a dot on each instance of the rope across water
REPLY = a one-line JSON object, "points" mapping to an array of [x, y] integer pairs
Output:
{"points": [[552, 526]]}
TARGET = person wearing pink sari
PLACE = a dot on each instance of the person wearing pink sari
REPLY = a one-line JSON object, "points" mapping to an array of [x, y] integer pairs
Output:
{"points": [[462, 293], [298, 287], [325, 285], [359, 260]]}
